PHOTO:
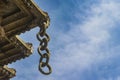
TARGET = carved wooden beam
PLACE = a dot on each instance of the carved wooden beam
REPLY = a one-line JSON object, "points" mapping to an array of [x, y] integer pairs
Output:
{"points": [[18, 14], [6, 73], [13, 50]]}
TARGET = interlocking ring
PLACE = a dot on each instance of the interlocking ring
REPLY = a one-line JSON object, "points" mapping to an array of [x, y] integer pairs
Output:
{"points": [[40, 38], [41, 69], [46, 56], [46, 50], [44, 44], [42, 31]]}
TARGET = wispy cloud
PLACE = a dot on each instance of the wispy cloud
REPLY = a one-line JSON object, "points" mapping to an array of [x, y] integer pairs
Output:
{"points": [[87, 45]]}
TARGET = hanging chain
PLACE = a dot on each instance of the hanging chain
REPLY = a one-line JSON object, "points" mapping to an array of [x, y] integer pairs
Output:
{"points": [[43, 51]]}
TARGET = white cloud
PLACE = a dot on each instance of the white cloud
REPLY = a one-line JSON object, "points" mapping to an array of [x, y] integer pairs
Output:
{"points": [[117, 78], [83, 44]]}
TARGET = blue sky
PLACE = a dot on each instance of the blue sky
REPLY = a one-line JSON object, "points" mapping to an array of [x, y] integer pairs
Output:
{"points": [[85, 42]]}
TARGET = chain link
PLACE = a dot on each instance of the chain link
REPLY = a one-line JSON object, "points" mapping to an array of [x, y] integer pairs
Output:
{"points": [[43, 51]]}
